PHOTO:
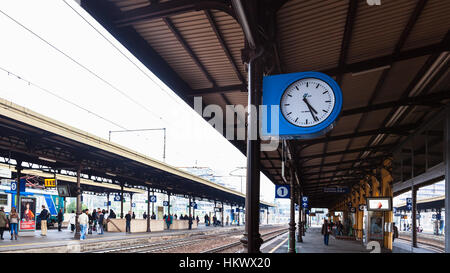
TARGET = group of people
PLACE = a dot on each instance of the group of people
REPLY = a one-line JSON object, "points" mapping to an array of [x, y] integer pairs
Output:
{"points": [[10, 223], [89, 222]]}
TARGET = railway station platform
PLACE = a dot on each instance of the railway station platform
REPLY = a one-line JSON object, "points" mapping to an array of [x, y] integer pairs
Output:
{"points": [[313, 243], [64, 242]]}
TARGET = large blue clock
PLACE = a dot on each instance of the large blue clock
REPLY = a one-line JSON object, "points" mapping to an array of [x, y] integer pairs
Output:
{"points": [[309, 104]]}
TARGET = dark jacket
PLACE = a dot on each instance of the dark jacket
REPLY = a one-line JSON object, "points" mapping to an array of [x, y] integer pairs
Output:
{"points": [[101, 217], [44, 214], [128, 217], [60, 217], [325, 229]]}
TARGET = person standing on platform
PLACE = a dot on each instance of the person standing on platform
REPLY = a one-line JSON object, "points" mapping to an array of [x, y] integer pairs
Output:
{"points": [[395, 235], [228, 219], [94, 220], [83, 219], [44, 216], [3, 222], [190, 221], [101, 217], [128, 222], [134, 216], [153, 216], [325, 231], [72, 221], [169, 220], [60, 219], [198, 220], [144, 215], [13, 222]]}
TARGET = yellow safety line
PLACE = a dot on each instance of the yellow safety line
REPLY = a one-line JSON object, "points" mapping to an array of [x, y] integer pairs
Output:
{"points": [[278, 246]]}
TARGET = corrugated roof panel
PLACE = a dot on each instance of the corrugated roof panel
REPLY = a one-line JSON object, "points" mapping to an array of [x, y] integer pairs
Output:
{"points": [[357, 89], [399, 78], [432, 25], [198, 33], [377, 29], [168, 47], [310, 34]]}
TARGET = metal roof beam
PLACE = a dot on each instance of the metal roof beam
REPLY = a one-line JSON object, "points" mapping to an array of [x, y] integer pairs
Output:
{"points": [[169, 8], [219, 89]]}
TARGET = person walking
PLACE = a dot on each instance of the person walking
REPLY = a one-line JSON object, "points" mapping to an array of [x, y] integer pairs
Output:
{"points": [[60, 219], [395, 235], [3, 222], [83, 219], [94, 220], [13, 222], [128, 218], [325, 231], [101, 218], [44, 216]]}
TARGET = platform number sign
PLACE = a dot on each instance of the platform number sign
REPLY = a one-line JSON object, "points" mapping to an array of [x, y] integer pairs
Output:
{"points": [[153, 199], [165, 203], [14, 186], [50, 183], [304, 201], [117, 198], [408, 203], [282, 191]]}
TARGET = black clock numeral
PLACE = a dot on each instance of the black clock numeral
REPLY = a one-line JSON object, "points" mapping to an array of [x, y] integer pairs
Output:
{"points": [[289, 113], [325, 111], [289, 95], [296, 120], [286, 104], [307, 83], [325, 92], [328, 101], [306, 121], [296, 87], [317, 86]]}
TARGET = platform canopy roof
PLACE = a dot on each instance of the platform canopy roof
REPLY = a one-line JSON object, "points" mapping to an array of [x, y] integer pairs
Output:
{"points": [[35, 139], [391, 61]]}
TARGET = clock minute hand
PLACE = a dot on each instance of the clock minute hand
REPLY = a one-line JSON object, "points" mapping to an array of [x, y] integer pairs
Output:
{"points": [[309, 105], [311, 111]]}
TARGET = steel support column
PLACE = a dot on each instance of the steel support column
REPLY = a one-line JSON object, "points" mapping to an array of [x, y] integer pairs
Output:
{"points": [[252, 239], [148, 209], [190, 220], [168, 204], [77, 222], [447, 178], [107, 201], [121, 200], [300, 220], [223, 212], [413, 216], [291, 248]]}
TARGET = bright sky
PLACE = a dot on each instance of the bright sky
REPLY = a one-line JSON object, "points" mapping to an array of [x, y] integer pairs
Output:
{"points": [[77, 73]]}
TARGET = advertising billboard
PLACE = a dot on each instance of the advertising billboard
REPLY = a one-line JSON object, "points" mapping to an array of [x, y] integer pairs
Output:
{"points": [[379, 203], [27, 214]]}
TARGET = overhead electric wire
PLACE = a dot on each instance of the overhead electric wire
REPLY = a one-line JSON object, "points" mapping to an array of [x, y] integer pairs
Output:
{"points": [[79, 64], [61, 98], [121, 52]]}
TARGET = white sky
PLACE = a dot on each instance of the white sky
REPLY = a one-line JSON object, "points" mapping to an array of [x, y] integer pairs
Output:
{"points": [[123, 92]]}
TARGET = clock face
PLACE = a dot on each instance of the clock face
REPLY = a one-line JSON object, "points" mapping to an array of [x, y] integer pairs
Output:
{"points": [[307, 102]]}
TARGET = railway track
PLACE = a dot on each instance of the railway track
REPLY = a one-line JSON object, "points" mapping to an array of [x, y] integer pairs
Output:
{"points": [[267, 237], [424, 244], [167, 244]]}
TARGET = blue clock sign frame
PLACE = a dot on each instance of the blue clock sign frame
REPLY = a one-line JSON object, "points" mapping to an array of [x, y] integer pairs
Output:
{"points": [[273, 89]]}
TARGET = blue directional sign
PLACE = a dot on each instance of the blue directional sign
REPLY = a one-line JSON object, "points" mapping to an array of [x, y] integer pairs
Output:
{"points": [[165, 203], [133, 205], [282, 191], [409, 203], [304, 201], [117, 198], [13, 185], [237, 209], [153, 198], [438, 216], [194, 205]]}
